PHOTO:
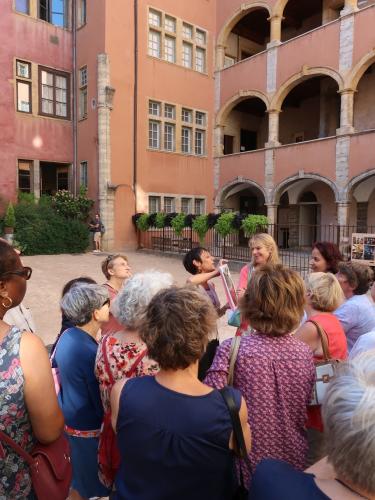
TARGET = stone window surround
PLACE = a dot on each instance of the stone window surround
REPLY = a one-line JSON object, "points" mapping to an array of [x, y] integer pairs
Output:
{"points": [[24, 80], [178, 35], [55, 73], [179, 124], [177, 200], [34, 13], [83, 84]]}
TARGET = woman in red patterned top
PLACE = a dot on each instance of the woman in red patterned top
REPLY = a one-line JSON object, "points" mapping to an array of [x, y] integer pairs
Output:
{"points": [[123, 352], [274, 371], [323, 296]]}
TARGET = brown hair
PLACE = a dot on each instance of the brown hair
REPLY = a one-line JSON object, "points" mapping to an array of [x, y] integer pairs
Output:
{"points": [[359, 276], [274, 300], [269, 243], [8, 257], [176, 325], [108, 263]]}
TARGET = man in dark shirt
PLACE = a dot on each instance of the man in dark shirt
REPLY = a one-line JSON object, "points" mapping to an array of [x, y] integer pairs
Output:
{"points": [[96, 228]]}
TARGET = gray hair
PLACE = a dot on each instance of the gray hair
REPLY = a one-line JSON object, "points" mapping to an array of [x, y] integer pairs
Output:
{"points": [[79, 303], [349, 422], [136, 294]]}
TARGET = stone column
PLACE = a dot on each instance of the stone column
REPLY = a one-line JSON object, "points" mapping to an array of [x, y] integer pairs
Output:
{"points": [[36, 179], [350, 6], [219, 140], [220, 57], [104, 106], [275, 37], [347, 112], [273, 128], [343, 208], [272, 219]]}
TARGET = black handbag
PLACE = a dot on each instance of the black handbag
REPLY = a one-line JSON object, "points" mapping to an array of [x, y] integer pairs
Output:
{"points": [[239, 442], [207, 358]]}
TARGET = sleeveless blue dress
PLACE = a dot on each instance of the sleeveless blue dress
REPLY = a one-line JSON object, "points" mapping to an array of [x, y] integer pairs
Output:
{"points": [[173, 445]]}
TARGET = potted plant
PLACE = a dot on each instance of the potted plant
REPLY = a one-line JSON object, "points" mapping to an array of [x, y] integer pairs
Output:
{"points": [[254, 223], [9, 223]]}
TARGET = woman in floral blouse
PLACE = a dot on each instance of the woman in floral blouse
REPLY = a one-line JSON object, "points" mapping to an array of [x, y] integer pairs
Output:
{"points": [[123, 354]]}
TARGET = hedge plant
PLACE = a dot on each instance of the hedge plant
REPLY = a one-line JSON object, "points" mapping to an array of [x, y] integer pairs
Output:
{"points": [[254, 223], [143, 222], [178, 223], [200, 226], [160, 220], [224, 225], [10, 219]]}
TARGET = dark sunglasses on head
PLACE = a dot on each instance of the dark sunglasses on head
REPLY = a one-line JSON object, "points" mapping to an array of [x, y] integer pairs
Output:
{"points": [[106, 302], [25, 273]]}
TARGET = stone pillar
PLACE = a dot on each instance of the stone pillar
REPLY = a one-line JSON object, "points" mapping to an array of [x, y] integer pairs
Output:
{"points": [[219, 140], [220, 57], [273, 128], [350, 6], [343, 209], [104, 106], [347, 112], [275, 38], [269, 173], [36, 179], [272, 219]]}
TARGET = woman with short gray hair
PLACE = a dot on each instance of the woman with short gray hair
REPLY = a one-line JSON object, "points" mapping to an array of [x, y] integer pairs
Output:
{"points": [[348, 471], [87, 307], [125, 351]]}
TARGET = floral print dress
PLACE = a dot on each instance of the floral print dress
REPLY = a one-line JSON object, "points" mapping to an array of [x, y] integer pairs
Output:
{"points": [[121, 357], [15, 481]]}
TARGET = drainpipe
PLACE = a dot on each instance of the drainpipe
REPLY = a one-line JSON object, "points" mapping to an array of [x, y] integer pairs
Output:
{"points": [[74, 104], [135, 106]]}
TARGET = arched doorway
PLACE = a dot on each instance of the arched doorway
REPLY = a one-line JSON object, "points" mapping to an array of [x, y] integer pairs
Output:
{"points": [[364, 101], [362, 210]]}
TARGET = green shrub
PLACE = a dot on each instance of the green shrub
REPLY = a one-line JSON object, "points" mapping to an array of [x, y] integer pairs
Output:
{"points": [[224, 225], [160, 220], [72, 207], [178, 224], [9, 219], [200, 226], [254, 223], [142, 222], [40, 230]]}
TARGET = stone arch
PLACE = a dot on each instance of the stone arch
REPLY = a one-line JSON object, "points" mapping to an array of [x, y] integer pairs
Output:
{"points": [[244, 9], [237, 181], [353, 183], [305, 73], [353, 78], [231, 103], [278, 8], [278, 190]]}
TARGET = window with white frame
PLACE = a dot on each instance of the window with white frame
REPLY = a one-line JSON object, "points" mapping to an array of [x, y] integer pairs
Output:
{"points": [[54, 93], [170, 24], [200, 60], [187, 55], [200, 140], [169, 137], [169, 204], [170, 111], [154, 43], [154, 204], [23, 86], [170, 49], [83, 93], [154, 18], [200, 118], [186, 140], [154, 108], [186, 205], [187, 115], [187, 31], [83, 175], [200, 37], [154, 134], [199, 207]]}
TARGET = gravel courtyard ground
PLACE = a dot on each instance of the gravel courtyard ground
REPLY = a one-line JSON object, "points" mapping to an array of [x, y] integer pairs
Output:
{"points": [[51, 272]]}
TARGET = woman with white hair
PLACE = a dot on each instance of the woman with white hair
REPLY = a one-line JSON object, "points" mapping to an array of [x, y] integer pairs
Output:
{"points": [[87, 307], [348, 471], [123, 354]]}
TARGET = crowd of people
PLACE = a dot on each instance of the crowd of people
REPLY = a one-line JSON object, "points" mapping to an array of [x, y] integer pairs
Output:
{"points": [[155, 408]]}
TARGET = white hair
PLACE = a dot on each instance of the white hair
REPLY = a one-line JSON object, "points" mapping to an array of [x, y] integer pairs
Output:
{"points": [[349, 422], [136, 294], [79, 303]]}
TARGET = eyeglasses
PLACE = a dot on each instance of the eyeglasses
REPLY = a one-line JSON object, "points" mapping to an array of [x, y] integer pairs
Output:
{"points": [[25, 273]]}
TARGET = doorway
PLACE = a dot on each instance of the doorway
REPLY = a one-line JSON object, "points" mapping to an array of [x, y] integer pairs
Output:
{"points": [[54, 177]]}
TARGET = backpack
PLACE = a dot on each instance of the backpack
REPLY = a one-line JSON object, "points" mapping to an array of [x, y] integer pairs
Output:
{"points": [[108, 452], [102, 228]]}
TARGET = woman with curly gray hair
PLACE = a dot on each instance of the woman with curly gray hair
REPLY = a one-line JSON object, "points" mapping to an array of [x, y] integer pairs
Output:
{"points": [[87, 307]]}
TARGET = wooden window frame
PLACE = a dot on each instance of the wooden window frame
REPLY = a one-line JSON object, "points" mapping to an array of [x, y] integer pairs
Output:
{"points": [[68, 103]]}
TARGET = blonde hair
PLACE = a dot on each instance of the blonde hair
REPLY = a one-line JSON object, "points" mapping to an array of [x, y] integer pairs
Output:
{"points": [[274, 300], [270, 244], [325, 292]]}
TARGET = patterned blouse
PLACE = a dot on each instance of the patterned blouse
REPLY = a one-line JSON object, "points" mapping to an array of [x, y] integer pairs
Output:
{"points": [[121, 357], [275, 376], [15, 481]]}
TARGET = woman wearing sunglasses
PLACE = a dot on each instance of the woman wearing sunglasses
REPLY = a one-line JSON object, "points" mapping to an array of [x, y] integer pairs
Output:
{"points": [[28, 405], [87, 307]]}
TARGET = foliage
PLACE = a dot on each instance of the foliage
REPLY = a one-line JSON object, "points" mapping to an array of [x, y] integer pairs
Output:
{"points": [[143, 222], [40, 230], [160, 220], [26, 197], [73, 207], [254, 223], [10, 218], [178, 223], [223, 225], [200, 226], [152, 219]]}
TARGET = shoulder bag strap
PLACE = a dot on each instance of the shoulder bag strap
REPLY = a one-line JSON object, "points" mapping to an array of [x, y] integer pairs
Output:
{"points": [[131, 372], [234, 348], [52, 355], [106, 361], [324, 339], [17, 448]]}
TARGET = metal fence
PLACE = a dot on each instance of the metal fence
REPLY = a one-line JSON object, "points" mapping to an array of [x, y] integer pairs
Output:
{"points": [[294, 242]]}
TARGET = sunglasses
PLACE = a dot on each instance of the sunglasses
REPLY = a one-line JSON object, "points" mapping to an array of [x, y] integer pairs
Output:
{"points": [[25, 273], [106, 302]]}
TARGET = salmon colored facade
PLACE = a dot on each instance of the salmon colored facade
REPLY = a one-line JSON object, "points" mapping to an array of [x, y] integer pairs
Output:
{"points": [[259, 107]]}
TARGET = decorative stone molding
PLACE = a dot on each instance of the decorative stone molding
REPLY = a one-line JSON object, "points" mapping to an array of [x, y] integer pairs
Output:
{"points": [[238, 180], [352, 79], [352, 184], [283, 185], [346, 42], [240, 96]]}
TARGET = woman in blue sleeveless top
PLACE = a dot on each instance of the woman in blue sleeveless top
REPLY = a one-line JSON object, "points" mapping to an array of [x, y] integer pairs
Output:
{"points": [[175, 433]]}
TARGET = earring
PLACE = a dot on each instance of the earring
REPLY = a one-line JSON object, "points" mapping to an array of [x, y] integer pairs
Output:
{"points": [[9, 304]]}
